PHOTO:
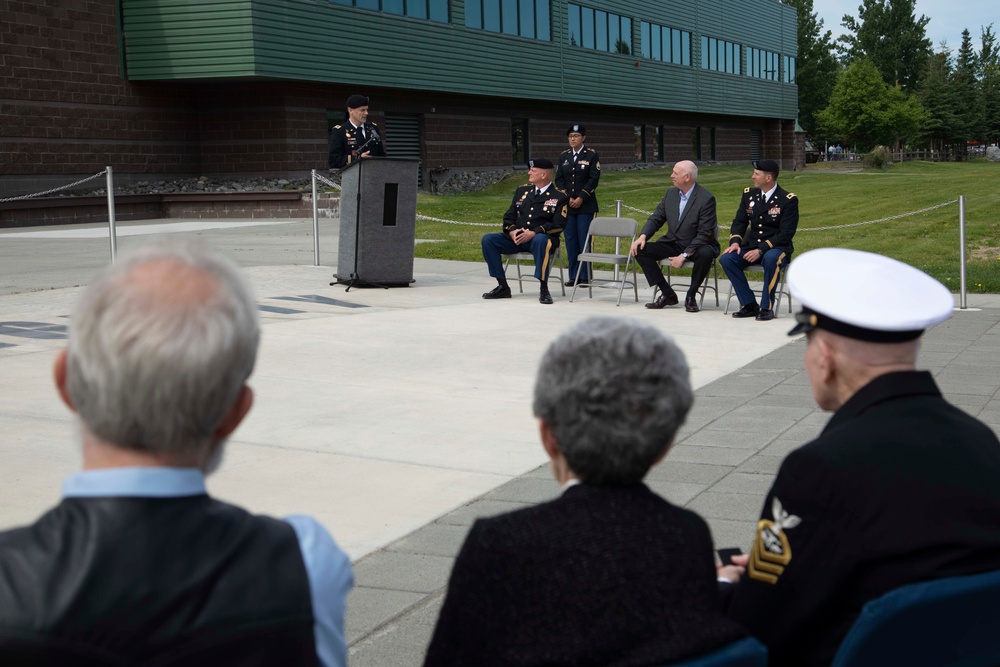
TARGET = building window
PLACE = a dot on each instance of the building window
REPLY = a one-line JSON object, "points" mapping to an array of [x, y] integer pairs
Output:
{"points": [[696, 143], [788, 71], [762, 64], [435, 10], [640, 143], [600, 30], [713, 145], [523, 18], [519, 140], [667, 44], [720, 55], [658, 144]]}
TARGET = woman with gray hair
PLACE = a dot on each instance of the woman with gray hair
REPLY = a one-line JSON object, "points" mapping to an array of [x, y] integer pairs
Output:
{"points": [[609, 573]]}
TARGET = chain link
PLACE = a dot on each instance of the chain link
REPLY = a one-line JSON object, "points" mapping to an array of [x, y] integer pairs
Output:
{"points": [[320, 177], [456, 222], [872, 222], [61, 187]]}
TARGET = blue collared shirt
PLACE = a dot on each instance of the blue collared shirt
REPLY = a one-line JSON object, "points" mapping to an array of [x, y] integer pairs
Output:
{"points": [[327, 567]]}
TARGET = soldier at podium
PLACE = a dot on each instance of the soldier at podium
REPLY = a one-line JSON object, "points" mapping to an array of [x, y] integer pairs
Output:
{"points": [[356, 138], [536, 216]]}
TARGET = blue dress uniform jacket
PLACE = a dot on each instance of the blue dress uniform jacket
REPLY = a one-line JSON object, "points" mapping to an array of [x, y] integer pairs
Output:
{"points": [[580, 178], [766, 225], [346, 143], [899, 487], [542, 214]]}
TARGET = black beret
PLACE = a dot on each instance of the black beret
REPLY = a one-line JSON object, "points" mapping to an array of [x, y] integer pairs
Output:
{"points": [[769, 166], [576, 128], [355, 101], [541, 163]]}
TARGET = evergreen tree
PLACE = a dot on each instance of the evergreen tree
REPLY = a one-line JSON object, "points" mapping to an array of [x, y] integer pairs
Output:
{"points": [[989, 86], [815, 66], [938, 97], [967, 94], [888, 33]]}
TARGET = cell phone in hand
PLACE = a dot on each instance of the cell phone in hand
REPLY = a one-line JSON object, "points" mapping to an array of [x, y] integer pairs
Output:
{"points": [[726, 555]]}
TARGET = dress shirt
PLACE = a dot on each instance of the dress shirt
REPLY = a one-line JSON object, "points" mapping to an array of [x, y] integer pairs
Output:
{"points": [[327, 566], [684, 201]]}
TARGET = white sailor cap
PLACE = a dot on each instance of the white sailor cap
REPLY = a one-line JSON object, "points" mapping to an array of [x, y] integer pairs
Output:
{"points": [[865, 296]]}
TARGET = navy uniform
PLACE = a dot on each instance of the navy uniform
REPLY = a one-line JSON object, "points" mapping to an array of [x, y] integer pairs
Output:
{"points": [[543, 213], [578, 175], [349, 141], [765, 225], [900, 486]]}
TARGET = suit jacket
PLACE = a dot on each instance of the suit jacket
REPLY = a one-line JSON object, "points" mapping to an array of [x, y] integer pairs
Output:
{"points": [[542, 214], [579, 178], [697, 227], [599, 576], [766, 224], [346, 143], [900, 487]]}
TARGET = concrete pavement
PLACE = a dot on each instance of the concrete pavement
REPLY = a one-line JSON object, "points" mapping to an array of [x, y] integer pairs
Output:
{"points": [[398, 416]]}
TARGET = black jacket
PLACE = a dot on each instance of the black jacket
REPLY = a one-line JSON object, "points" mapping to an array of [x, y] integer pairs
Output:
{"points": [[579, 178], [766, 225], [599, 576], [899, 487], [346, 144], [138, 579], [542, 214]]}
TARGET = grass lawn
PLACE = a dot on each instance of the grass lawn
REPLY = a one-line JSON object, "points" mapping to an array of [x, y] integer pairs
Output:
{"points": [[929, 241]]}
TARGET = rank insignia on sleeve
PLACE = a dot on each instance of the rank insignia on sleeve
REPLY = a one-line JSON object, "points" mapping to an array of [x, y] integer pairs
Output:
{"points": [[746, 191], [771, 551]]}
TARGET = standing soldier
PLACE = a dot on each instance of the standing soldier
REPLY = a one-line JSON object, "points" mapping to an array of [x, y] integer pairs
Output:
{"points": [[356, 138], [578, 172]]}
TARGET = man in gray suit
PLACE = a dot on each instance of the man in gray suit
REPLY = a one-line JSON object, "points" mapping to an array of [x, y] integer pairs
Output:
{"points": [[689, 211]]}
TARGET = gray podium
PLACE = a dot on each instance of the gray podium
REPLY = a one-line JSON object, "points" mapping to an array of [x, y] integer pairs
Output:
{"points": [[378, 216]]}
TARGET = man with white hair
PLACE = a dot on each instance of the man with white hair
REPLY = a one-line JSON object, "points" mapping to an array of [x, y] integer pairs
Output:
{"points": [[137, 562], [899, 487]]}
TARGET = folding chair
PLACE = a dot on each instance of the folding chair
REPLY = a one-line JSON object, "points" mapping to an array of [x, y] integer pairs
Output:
{"points": [[618, 229], [704, 286], [947, 622], [555, 258], [757, 268]]}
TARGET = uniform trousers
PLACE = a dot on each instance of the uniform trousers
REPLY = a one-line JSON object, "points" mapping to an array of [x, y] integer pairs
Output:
{"points": [[734, 265], [648, 257], [495, 245], [577, 227]]}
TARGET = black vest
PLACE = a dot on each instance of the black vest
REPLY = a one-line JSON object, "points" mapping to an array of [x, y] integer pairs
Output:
{"points": [[189, 581]]}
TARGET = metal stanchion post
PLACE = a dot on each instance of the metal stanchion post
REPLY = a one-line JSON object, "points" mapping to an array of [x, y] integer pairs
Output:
{"points": [[112, 234], [962, 297], [315, 221], [618, 214]]}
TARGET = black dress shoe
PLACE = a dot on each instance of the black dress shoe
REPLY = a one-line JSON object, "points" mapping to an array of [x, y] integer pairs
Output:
{"points": [[665, 299], [765, 315], [583, 282], [498, 292], [691, 304], [749, 310], [544, 296]]}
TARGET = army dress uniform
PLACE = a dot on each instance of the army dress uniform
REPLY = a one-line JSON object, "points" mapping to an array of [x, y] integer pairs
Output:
{"points": [[347, 142], [578, 176], [767, 225], [543, 213]]}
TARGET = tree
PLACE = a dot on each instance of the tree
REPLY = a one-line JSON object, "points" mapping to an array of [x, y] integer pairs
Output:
{"points": [[815, 66], [938, 97], [866, 112], [967, 94], [888, 33], [989, 85]]}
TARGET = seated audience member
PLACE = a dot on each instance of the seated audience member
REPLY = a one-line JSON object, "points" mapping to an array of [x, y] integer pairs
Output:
{"points": [[900, 486], [137, 563], [609, 573], [532, 223]]}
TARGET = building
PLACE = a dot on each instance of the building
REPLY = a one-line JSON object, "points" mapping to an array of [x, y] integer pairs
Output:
{"points": [[166, 88]]}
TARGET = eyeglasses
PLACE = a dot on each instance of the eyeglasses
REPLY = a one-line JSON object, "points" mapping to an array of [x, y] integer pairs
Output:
{"points": [[576, 136]]}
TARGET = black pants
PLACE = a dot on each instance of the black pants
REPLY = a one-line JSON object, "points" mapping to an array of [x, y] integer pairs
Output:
{"points": [[661, 249]]}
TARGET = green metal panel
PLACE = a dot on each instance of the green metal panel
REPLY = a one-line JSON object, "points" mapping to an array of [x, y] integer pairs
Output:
{"points": [[315, 40]]}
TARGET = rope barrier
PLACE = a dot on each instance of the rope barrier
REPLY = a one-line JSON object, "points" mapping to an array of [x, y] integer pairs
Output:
{"points": [[320, 177], [61, 187], [872, 222], [456, 222]]}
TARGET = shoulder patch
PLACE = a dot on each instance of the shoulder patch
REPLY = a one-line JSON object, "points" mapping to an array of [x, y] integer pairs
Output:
{"points": [[746, 190], [790, 195]]}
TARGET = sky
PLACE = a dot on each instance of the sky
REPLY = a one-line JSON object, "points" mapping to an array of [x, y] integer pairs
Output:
{"points": [[947, 18]]}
